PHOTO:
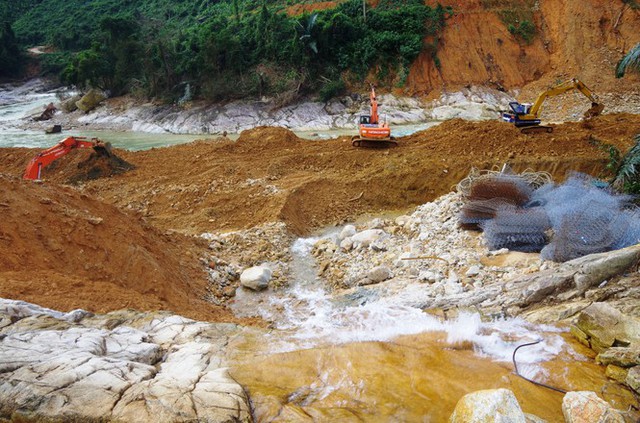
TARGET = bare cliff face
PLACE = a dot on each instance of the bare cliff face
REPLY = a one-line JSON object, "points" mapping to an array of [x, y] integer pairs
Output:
{"points": [[573, 38]]}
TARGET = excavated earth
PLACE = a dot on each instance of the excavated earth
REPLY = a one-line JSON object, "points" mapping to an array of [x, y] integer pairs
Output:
{"points": [[123, 241], [65, 250]]}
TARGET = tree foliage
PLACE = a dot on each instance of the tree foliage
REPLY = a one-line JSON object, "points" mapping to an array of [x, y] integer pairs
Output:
{"points": [[11, 58], [627, 176], [228, 48]]}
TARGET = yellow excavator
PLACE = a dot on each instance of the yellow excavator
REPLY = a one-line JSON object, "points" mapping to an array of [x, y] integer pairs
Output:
{"points": [[525, 115]]}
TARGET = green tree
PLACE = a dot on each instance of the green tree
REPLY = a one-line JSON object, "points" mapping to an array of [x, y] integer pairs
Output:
{"points": [[627, 178], [306, 32], [11, 58], [631, 61]]}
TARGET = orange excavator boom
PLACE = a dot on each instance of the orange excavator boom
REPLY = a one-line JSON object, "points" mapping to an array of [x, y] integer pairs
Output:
{"points": [[44, 158], [374, 105]]}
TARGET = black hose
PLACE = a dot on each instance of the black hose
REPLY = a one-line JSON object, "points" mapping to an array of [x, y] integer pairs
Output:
{"points": [[515, 365]]}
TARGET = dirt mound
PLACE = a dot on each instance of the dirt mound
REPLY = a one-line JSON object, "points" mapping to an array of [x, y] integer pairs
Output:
{"points": [[63, 249], [258, 139], [83, 165], [78, 166]]}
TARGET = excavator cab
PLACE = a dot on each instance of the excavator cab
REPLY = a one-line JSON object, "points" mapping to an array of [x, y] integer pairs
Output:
{"points": [[520, 109], [365, 119]]}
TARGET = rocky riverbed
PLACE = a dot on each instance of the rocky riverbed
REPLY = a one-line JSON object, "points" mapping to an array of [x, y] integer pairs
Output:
{"points": [[374, 279], [308, 115], [128, 114]]}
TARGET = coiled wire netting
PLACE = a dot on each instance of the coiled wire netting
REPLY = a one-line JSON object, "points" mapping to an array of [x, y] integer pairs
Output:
{"points": [[578, 217]]}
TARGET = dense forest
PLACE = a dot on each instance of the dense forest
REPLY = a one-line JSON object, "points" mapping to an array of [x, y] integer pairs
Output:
{"points": [[219, 49]]}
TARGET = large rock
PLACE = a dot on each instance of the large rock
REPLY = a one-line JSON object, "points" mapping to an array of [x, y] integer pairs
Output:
{"points": [[587, 407], [367, 237], [619, 374], [604, 327], [256, 278], [379, 274], [346, 232], [90, 100], [69, 105], [122, 366], [633, 379], [580, 274], [620, 356], [488, 406]]}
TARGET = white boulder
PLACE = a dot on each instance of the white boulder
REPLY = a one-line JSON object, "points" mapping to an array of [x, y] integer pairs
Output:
{"points": [[256, 278], [367, 237], [491, 405]]}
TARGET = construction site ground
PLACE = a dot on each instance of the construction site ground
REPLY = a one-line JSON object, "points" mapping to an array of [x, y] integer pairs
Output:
{"points": [[123, 240]]}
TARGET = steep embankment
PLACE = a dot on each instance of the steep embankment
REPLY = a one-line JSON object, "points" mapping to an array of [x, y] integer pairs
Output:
{"points": [[573, 38], [63, 249]]}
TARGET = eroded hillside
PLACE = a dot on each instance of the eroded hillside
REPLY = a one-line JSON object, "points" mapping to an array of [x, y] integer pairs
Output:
{"points": [[585, 39]]}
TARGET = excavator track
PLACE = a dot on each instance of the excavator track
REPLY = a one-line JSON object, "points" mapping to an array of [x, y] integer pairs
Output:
{"points": [[536, 129], [358, 141]]}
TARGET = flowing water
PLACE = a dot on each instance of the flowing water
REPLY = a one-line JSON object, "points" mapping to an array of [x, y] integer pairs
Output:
{"points": [[361, 358]]}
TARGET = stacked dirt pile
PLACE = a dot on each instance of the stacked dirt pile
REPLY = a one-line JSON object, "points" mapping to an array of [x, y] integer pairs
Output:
{"points": [[63, 249], [261, 139], [271, 175], [84, 165]]}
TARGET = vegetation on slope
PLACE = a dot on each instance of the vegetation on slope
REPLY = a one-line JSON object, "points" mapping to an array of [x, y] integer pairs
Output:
{"points": [[225, 49], [517, 15]]}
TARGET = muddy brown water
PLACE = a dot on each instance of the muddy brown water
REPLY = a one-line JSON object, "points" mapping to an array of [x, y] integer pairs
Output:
{"points": [[414, 378]]}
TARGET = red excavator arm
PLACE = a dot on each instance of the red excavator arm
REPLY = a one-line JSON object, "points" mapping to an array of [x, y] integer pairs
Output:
{"points": [[44, 158], [374, 105]]}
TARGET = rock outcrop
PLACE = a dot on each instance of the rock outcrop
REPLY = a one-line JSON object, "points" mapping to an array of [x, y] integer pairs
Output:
{"points": [[587, 407], [121, 366], [616, 339]]}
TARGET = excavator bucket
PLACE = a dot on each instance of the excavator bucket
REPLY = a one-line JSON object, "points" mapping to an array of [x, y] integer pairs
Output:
{"points": [[102, 148], [595, 110]]}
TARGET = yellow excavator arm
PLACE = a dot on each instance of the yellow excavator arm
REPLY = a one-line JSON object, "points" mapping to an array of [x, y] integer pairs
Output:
{"points": [[572, 84]]}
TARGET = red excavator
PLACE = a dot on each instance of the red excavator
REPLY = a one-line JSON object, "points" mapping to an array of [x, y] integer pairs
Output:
{"points": [[372, 132], [44, 158]]}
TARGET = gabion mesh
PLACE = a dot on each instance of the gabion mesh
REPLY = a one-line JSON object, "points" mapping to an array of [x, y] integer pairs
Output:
{"points": [[517, 229], [582, 216], [489, 192], [511, 188], [595, 228], [475, 212], [632, 234]]}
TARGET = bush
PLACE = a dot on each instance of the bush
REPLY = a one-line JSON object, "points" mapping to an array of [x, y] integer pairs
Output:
{"points": [[525, 31], [331, 89]]}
